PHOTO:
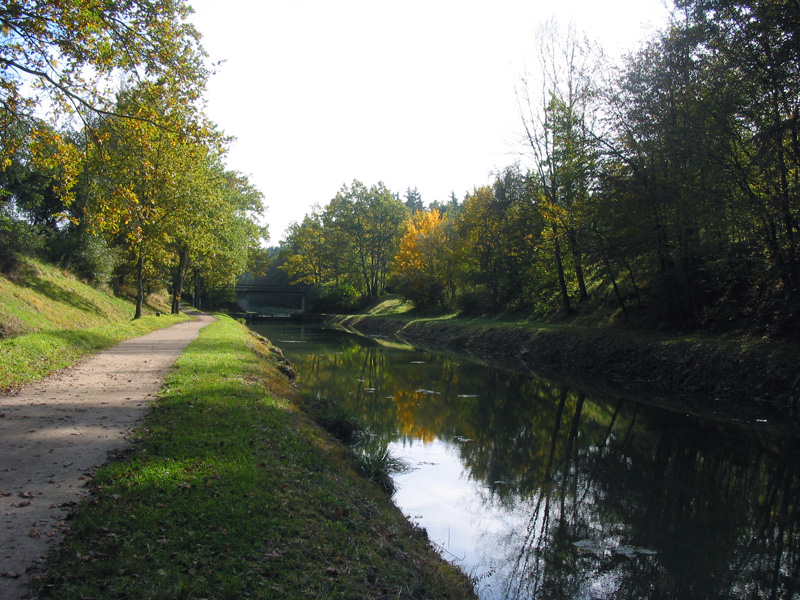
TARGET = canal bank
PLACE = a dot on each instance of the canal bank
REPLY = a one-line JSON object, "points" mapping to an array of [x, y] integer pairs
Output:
{"points": [[738, 379]]}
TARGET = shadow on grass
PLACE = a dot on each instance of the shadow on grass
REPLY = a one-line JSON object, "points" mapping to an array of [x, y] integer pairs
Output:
{"points": [[60, 294]]}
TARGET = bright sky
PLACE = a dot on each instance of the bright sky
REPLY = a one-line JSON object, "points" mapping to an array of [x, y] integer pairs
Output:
{"points": [[418, 93]]}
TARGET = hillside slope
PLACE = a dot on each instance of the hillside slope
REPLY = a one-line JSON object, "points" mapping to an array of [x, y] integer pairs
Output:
{"points": [[37, 297]]}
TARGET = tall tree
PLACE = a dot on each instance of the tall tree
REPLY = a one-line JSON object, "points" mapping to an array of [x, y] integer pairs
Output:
{"points": [[750, 47], [219, 230], [428, 260], [500, 236], [309, 260], [143, 174], [558, 115], [414, 200]]}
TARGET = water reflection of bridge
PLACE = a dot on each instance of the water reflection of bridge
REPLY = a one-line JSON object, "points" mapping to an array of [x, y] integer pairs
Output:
{"points": [[254, 296]]}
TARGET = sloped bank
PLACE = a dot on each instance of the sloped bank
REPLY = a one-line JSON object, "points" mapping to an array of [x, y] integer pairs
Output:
{"points": [[748, 381]]}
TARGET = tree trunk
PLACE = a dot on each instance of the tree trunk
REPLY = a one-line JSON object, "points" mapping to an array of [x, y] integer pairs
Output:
{"points": [[177, 283], [196, 292], [578, 260], [610, 272], [139, 284], [562, 282]]}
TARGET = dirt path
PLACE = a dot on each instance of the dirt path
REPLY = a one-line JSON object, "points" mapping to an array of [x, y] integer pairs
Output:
{"points": [[54, 433]]}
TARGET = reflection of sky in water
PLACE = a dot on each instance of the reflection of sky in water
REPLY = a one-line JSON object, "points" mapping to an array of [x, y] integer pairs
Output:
{"points": [[470, 527], [457, 512]]}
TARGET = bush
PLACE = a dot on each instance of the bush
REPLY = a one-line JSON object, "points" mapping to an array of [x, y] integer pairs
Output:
{"points": [[17, 238], [341, 298], [89, 257], [375, 463], [474, 302]]}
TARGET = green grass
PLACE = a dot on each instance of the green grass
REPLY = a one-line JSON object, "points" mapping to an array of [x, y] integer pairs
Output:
{"points": [[50, 320], [390, 305], [232, 492], [395, 309]]}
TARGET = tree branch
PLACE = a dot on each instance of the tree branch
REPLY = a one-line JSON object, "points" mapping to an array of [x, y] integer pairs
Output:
{"points": [[80, 100]]}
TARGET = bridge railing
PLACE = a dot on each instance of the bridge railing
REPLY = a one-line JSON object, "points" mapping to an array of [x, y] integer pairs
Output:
{"points": [[270, 289]]}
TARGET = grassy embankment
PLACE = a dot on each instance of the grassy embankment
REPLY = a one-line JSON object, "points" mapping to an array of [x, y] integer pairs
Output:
{"points": [[50, 320], [231, 491]]}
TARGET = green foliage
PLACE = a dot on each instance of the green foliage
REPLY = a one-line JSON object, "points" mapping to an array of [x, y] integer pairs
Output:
{"points": [[146, 169], [88, 256], [70, 50], [17, 239], [337, 298]]}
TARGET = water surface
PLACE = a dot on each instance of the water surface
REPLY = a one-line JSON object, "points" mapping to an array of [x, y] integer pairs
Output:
{"points": [[539, 490]]}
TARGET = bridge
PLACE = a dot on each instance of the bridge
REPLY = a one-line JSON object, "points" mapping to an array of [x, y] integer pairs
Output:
{"points": [[255, 288], [255, 297]]}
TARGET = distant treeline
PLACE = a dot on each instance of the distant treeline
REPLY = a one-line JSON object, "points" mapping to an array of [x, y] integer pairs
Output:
{"points": [[672, 183]]}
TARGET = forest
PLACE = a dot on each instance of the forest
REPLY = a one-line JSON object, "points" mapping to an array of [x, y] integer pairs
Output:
{"points": [[665, 191], [108, 164]]}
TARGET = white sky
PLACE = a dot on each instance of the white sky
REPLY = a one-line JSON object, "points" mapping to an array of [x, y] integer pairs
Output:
{"points": [[418, 93]]}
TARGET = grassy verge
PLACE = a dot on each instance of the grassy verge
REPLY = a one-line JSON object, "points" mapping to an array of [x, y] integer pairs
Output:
{"points": [[230, 491], [30, 357]]}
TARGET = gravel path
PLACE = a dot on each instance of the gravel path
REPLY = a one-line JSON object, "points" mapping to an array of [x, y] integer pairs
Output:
{"points": [[54, 433]]}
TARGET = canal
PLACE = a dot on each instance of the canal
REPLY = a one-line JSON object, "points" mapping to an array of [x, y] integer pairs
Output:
{"points": [[539, 490]]}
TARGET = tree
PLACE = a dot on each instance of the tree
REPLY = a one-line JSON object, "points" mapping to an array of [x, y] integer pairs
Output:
{"points": [[309, 259], [219, 230], [750, 49], [500, 238], [427, 262], [147, 180], [414, 200], [559, 120]]}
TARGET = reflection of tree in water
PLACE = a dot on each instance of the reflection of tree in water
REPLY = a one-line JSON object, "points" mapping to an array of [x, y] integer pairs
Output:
{"points": [[717, 514], [716, 505]]}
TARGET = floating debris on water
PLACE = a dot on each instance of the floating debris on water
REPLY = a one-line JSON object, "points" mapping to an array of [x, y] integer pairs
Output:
{"points": [[468, 395], [461, 438], [600, 549], [429, 392]]}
